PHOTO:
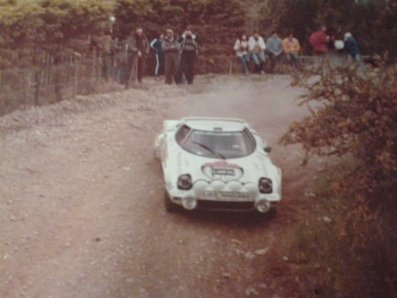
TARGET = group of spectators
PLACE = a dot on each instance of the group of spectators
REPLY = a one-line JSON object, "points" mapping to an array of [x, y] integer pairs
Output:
{"points": [[176, 56], [320, 41], [257, 50]]}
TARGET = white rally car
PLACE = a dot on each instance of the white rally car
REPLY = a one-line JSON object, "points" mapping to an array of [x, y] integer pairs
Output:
{"points": [[218, 164]]}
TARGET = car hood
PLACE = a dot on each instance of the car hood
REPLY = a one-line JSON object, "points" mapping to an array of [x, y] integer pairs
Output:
{"points": [[249, 168]]}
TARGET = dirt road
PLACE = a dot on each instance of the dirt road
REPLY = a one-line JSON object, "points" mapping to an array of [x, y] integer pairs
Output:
{"points": [[81, 211]]}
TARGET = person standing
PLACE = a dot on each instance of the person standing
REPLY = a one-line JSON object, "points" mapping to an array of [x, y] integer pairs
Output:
{"points": [[257, 49], [188, 50], [171, 56], [351, 47], [241, 48], [137, 48], [291, 49], [157, 45], [319, 41], [275, 48], [106, 51]]}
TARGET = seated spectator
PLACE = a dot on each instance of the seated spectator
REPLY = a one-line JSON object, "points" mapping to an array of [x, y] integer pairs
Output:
{"points": [[257, 49], [291, 49], [241, 49], [275, 48]]}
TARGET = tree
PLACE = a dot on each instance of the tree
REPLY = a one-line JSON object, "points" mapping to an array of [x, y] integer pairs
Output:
{"points": [[48, 26]]}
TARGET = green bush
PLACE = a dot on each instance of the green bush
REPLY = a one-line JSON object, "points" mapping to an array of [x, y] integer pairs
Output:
{"points": [[29, 28], [353, 116]]}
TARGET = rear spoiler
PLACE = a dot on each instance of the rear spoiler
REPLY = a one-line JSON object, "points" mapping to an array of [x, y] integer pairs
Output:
{"points": [[185, 119]]}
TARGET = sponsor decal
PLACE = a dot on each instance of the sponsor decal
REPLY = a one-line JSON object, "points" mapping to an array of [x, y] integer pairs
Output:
{"points": [[222, 170]]}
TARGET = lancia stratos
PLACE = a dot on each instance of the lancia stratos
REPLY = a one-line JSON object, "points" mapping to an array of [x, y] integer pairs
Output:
{"points": [[216, 164]]}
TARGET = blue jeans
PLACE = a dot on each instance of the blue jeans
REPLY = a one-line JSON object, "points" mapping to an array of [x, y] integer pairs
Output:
{"points": [[259, 60], [244, 62], [293, 59]]}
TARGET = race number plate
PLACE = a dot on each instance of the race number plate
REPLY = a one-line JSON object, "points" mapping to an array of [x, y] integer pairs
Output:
{"points": [[226, 196]]}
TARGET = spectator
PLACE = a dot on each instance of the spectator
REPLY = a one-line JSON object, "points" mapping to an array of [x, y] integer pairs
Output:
{"points": [[291, 49], [157, 45], [339, 44], [106, 50], [257, 49], [171, 56], [241, 49], [137, 48], [188, 51], [319, 41], [351, 47], [119, 61], [275, 48]]}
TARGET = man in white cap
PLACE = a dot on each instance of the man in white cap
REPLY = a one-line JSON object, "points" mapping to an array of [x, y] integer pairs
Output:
{"points": [[351, 47]]}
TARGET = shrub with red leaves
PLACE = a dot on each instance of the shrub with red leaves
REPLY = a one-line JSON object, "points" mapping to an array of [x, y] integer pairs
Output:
{"points": [[354, 113], [354, 116]]}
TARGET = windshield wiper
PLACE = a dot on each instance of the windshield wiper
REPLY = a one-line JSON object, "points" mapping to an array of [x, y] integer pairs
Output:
{"points": [[210, 150]]}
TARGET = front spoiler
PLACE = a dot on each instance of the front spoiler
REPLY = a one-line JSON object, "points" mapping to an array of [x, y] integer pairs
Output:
{"points": [[224, 206]]}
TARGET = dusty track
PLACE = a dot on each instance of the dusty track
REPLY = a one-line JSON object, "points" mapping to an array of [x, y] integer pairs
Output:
{"points": [[81, 212]]}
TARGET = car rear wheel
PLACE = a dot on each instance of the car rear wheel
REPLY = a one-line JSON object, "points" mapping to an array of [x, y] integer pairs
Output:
{"points": [[169, 205]]}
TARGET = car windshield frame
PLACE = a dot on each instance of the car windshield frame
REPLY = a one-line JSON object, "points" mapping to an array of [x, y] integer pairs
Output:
{"points": [[244, 142]]}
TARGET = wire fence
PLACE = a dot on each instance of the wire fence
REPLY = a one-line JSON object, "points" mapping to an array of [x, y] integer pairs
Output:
{"points": [[54, 79]]}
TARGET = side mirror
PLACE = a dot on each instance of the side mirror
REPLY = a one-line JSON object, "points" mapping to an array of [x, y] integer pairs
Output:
{"points": [[267, 149]]}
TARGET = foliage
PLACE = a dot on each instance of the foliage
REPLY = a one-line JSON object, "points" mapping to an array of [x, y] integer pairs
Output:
{"points": [[48, 26], [353, 115], [343, 249], [61, 26], [371, 22]]}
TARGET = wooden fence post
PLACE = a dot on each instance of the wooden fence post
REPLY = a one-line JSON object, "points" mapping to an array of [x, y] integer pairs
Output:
{"points": [[76, 77], [24, 88], [37, 85]]}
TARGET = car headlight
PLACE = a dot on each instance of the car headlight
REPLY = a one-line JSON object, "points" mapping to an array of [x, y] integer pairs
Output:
{"points": [[265, 185], [189, 203], [185, 182]]}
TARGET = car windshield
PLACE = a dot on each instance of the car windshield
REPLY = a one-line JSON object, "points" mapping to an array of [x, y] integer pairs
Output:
{"points": [[219, 144]]}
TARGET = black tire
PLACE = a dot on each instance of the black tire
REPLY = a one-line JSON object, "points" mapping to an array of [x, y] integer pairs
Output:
{"points": [[168, 204], [270, 214]]}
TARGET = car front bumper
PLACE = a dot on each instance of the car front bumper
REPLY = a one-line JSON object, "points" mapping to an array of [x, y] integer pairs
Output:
{"points": [[262, 203]]}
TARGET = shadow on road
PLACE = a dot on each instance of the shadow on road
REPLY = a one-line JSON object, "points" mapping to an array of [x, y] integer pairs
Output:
{"points": [[232, 219]]}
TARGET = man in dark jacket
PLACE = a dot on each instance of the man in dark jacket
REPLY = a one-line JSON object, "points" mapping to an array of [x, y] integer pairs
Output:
{"points": [[188, 51], [137, 50], [157, 46], [171, 56], [351, 47]]}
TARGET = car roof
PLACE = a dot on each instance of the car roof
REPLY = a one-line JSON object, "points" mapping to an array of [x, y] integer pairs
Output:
{"points": [[215, 123]]}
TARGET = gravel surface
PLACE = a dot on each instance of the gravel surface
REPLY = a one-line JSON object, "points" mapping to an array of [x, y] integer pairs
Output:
{"points": [[81, 198]]}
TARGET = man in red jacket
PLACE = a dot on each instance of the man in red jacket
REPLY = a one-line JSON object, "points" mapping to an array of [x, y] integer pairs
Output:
{"points": [[319, 41]]}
